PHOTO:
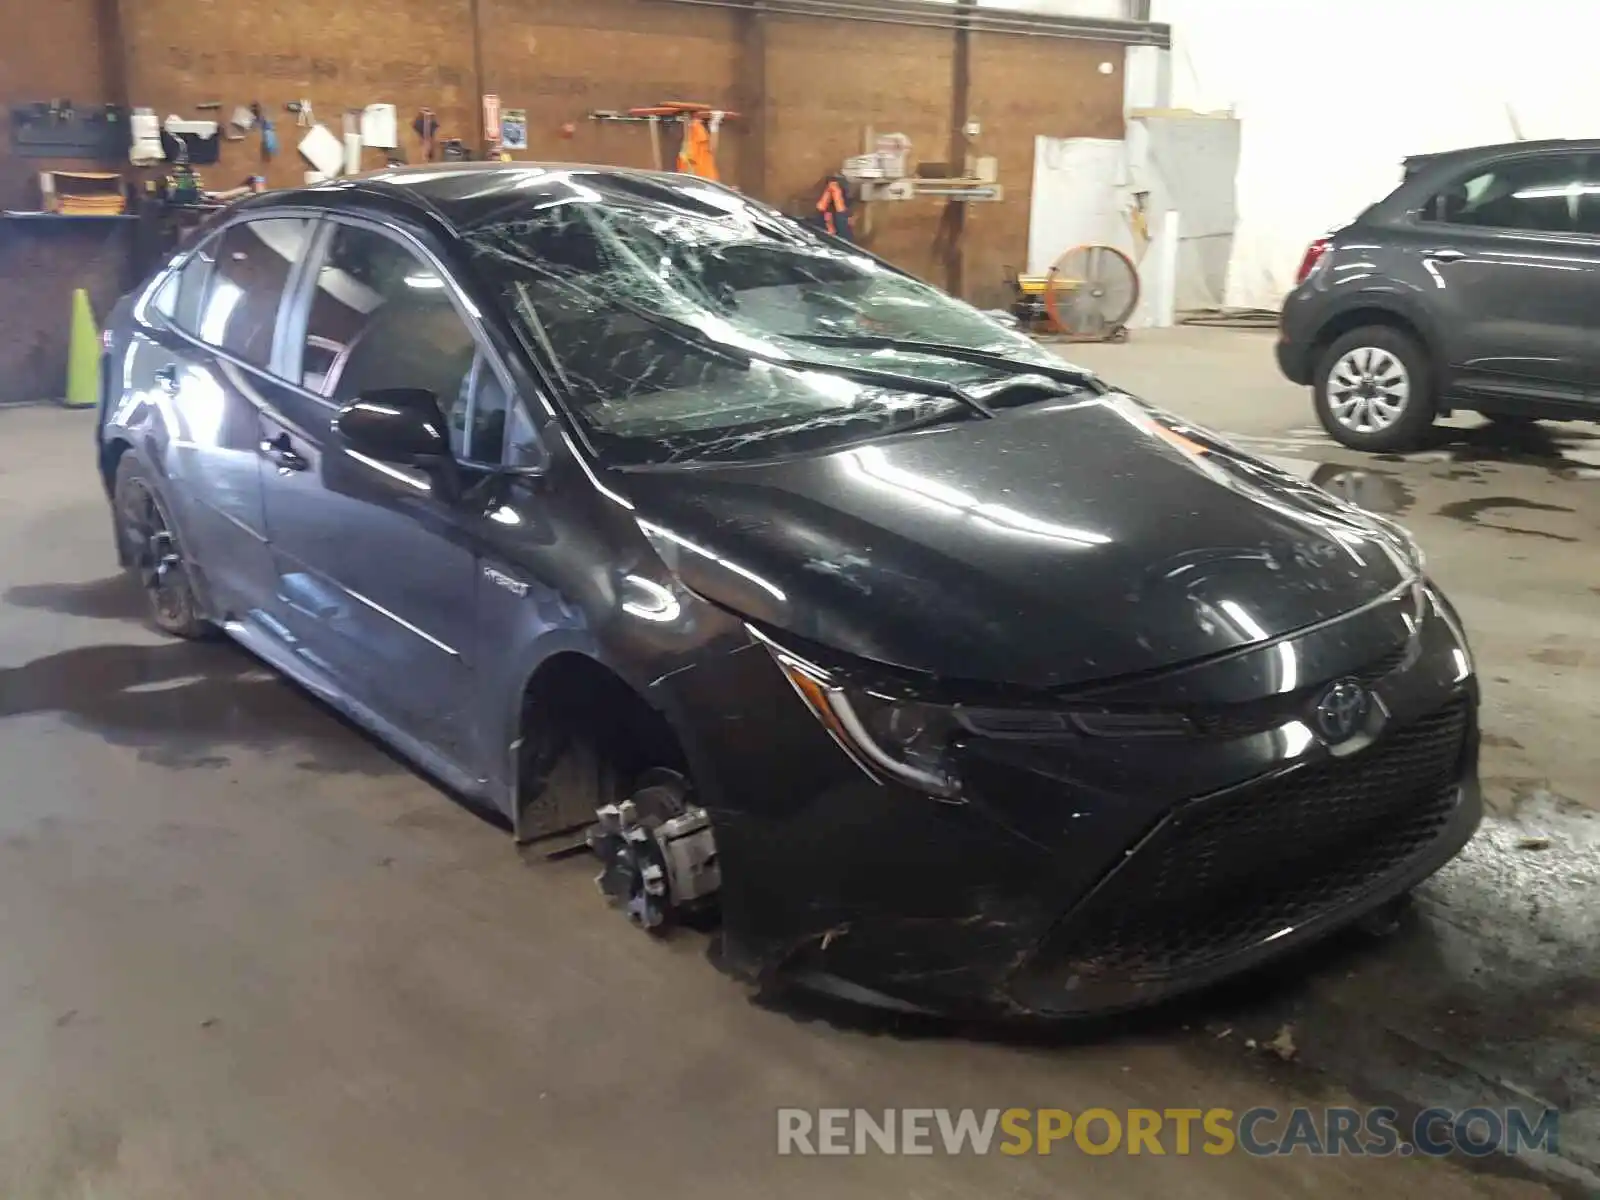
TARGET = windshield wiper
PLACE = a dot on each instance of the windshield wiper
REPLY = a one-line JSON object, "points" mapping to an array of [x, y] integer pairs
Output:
{"points": [[870, 376], [695, 336], [982, 358]]}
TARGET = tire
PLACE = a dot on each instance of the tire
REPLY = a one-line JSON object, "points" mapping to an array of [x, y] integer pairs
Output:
{"points": [[149, 546], [1374, 390]]}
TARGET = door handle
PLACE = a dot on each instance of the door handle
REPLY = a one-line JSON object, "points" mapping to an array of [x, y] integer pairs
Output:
{"points": [[166, 378], [278, 450], [1445, 254]]}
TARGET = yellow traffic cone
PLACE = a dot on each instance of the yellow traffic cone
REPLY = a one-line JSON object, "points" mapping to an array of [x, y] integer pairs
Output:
{"points": [[83, 355]]}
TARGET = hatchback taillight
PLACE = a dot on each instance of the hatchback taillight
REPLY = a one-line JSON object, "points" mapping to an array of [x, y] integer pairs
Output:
{"points": [[1313, 256]]}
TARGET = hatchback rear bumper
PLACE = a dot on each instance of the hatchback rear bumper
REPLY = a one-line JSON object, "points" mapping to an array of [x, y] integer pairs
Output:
{"points": [[1294, 360]]}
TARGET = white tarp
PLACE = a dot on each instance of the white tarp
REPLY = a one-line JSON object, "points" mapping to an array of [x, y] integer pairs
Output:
{"points": [[1332, 94]]}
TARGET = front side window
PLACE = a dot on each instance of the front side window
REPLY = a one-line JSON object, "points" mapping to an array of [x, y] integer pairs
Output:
{"points": [[1536, 195], [382, 317], [253, 262], [652, 310]]}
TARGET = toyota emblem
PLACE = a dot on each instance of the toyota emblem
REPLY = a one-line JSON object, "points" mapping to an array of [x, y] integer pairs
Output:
{"points": [[1341, 709]]}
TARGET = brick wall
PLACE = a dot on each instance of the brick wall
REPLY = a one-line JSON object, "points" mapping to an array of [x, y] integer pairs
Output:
{"points": [[54, 50], [336, 53], [1020, 88], [824, 82]]}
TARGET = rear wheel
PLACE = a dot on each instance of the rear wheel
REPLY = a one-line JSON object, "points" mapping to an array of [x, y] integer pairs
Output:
{"points": [[153, 556], [1374, 390]]}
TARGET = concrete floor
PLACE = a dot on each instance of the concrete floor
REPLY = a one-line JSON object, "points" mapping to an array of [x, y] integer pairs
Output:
{"points": [[249, 954]]}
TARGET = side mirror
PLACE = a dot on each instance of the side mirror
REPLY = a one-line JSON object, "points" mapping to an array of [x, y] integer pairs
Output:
{"points": [[395, 425]]}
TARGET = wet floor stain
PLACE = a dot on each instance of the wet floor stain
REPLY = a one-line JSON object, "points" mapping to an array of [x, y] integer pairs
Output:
{"points": [[1559, 656], [1500, 739], [1469, 511], [1559, 449], [184, 704], [1375, 491], [1466, 453], [112, 599], [1487, 991]]}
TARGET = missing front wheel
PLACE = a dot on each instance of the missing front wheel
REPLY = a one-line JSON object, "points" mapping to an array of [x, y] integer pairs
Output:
{"points": [[658, 856]]}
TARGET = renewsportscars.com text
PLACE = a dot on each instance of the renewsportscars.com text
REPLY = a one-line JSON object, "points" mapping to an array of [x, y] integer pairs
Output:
{"points": [[1259, 1132]]}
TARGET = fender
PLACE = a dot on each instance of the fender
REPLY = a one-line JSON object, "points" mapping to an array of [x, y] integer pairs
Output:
{"points": [[1390, 298]]}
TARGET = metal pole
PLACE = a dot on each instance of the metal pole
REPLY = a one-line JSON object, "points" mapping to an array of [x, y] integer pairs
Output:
{"points": [[477, 77], [955, 215], [753, 101]]}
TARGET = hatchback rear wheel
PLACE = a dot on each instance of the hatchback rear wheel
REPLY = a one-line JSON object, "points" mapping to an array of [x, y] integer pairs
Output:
{"points": [[1374, 390]]}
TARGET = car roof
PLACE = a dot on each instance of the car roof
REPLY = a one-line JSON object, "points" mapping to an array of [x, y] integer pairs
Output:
{"points": [[1463, 153], [465, 194]]}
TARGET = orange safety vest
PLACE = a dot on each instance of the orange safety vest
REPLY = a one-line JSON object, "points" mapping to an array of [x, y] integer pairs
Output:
{"points": [[695, 156], [832, 202]]}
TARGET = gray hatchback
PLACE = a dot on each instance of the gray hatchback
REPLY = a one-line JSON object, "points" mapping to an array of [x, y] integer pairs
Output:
{"points": [[1474, 285]]}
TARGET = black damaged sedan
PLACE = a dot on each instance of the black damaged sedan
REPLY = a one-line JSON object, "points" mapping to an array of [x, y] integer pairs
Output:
{"points": [[956, 679]]}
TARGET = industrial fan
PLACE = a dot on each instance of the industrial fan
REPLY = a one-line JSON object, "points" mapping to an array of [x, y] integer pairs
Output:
{"points": [[1089, 293]]}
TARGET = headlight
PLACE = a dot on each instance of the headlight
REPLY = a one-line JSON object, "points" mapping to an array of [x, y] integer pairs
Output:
{"points": [[910, 740], [904, 740]]}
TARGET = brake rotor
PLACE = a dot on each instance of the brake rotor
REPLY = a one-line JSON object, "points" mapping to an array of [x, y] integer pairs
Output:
{"points": [[633, 871]]}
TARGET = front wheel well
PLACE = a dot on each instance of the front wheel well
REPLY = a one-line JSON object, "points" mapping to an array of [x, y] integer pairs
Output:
{"points": [[586, 737], [110, 455]]}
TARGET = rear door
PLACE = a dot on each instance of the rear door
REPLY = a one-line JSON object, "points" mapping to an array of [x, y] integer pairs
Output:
{"points": [[1513, 278], [375, 579], [207, 367]]}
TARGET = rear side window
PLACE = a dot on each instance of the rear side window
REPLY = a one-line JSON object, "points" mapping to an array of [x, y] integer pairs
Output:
{"points": [[180, 297], [1537, 195], [253, 262]]}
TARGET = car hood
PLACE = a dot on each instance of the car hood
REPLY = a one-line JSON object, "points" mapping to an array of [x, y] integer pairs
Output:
{"points": [[1055, 545]]}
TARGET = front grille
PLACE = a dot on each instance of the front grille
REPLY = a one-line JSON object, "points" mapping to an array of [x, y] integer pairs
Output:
{"points": [[1223, 874], [1232, 721], [1246, 719]]}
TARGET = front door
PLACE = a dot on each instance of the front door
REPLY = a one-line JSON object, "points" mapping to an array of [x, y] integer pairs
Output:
{"points": [[1515, 279], [375, 574]]}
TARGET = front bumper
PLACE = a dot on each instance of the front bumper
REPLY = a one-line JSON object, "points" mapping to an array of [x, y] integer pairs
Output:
{"points": [[1097, 877], [1227, 882]]}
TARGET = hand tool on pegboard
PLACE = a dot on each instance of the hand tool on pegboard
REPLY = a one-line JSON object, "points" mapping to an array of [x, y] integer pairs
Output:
{"points": [[654, 116], [269, 131], [426, 127]]}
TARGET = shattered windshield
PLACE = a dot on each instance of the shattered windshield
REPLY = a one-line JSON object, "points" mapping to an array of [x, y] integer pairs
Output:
{"points": [[673, 325]]}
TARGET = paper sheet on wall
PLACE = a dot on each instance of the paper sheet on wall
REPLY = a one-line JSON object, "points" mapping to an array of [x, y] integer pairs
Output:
{"points": [[379, 126], [145, 129], [323, 150], [514, 129]]}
